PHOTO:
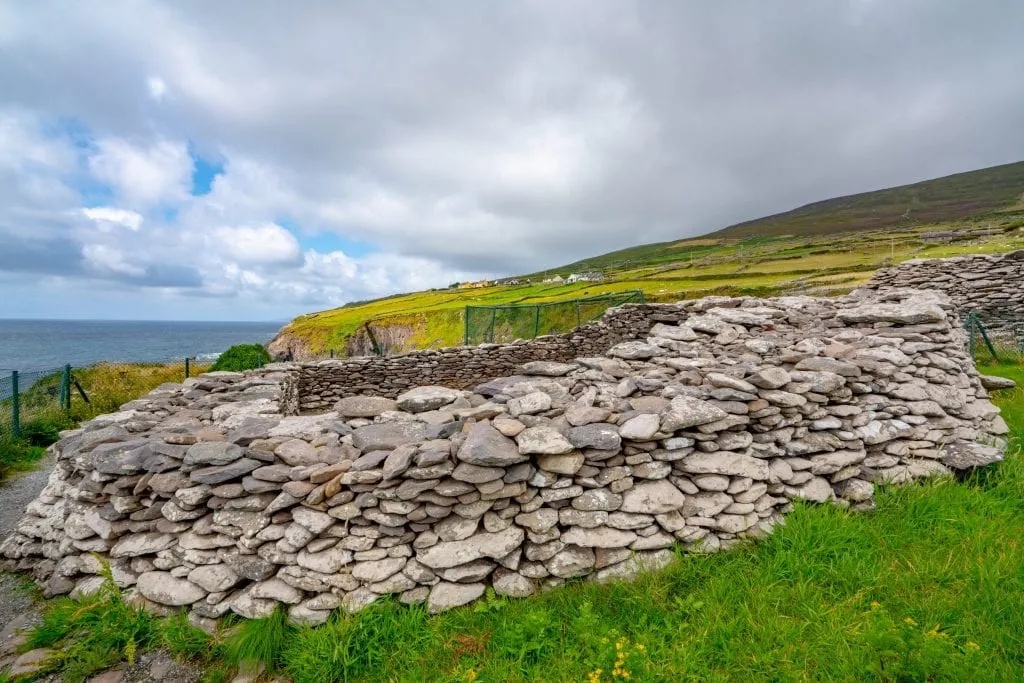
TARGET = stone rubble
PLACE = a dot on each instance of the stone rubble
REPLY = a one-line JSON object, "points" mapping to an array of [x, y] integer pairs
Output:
{"points": [[214, 495]]}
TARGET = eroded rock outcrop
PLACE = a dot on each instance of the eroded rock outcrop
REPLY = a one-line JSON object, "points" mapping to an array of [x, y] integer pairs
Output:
{"points": [[700, 432]]}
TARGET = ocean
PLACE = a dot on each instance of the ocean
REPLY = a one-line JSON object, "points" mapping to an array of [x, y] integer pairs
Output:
{"points": [[44, 344]]}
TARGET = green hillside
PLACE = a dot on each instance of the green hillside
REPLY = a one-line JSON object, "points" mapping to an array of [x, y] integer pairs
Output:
{"points": [[938, 200], [823, 248]]}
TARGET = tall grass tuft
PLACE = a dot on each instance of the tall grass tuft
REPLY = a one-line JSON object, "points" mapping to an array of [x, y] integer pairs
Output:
{"points": [[259, 641], [108, 386], [94, 632]]}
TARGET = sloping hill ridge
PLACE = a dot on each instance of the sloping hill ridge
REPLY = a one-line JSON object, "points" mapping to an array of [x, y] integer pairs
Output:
{"points": [[828, 246], [940, 199]]}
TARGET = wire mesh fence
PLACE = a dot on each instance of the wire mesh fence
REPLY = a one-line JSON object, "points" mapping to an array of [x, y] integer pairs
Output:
{"points": [[506, 323], [993, 343], [27, 396]]}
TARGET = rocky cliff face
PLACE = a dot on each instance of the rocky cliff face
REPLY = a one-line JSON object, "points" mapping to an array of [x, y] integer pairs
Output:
{"points": [[392, 338], [288, 346], [700, 433]]}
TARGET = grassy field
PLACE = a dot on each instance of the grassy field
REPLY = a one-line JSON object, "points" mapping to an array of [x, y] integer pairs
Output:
{"points": [[822, 248], [664, 272], [929, 586]]}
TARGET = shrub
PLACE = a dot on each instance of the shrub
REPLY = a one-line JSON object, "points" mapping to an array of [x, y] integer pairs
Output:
{"points": [[242, 357]]}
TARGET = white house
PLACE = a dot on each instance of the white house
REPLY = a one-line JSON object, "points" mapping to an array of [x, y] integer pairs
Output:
{"points": [[585, 277]]}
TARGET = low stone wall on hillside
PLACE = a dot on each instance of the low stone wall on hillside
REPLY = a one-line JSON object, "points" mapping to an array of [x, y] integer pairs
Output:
{"points": [[702, 433], [320, 384], [987, 284]]}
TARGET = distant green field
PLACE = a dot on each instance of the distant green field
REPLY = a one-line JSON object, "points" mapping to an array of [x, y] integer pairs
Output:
{"points": [[776, 265], [822, 248]]}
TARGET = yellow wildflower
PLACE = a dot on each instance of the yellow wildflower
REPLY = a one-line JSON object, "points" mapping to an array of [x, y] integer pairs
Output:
{"points": [[972, 646], [595, 676], [875, 604], [470, 675], [910, 622]]}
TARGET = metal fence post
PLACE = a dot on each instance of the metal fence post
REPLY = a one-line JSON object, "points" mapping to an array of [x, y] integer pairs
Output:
{"points": [[465, 337], [970, 333], [536, 321], [188, 367], [65, 390], [15, 406]]}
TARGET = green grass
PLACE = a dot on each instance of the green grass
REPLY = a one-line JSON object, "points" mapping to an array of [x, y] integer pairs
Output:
{"points": [[929, 586], [797, 251], [756, 266], [17, 456]]}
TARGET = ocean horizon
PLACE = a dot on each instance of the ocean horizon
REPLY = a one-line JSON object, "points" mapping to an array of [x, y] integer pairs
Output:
{"points": [[37, 344]]}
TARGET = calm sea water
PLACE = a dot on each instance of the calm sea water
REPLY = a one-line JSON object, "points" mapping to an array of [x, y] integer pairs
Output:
{"points": [[43, 344]]}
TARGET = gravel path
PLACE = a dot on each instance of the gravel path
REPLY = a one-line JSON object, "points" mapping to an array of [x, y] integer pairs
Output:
{"points": [[17, 493], [17, 607]]}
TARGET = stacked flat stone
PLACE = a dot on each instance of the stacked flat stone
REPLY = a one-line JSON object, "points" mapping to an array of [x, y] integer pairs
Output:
{"points": [[986, 283], [699, 433], [318, 385]]}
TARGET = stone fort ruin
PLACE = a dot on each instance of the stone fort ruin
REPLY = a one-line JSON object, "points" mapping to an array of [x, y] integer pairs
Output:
{"points": [[436, 474]]}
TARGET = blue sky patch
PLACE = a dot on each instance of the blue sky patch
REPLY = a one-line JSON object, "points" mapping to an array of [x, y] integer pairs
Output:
{"points": [[326, 242], [203, 174]]}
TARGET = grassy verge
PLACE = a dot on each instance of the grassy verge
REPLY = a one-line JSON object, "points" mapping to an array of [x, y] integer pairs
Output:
{"points": [[930, 586]]}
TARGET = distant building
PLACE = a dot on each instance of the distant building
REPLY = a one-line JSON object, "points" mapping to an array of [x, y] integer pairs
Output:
{"points": [[556, 279], [585, 277]]}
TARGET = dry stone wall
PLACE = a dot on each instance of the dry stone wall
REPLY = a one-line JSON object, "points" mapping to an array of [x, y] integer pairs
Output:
{"points": [[701, 433], [987, 284], [320, 384]]}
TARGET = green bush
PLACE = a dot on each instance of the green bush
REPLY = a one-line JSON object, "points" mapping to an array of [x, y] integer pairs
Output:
{"points": [[242, 357]]}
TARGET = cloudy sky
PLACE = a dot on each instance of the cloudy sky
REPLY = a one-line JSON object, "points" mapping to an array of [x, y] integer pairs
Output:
{"points": [[255, 160]]}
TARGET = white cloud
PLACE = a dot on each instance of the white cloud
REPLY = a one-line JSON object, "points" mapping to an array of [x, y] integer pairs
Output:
{"points": [[157, 87], [105, 258], [143, 175], [106, 217], [266, 244], [571, 128]]}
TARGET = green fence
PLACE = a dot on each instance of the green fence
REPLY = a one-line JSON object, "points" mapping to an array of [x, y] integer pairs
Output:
{"points": [[27, 395], [502, 324]]}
